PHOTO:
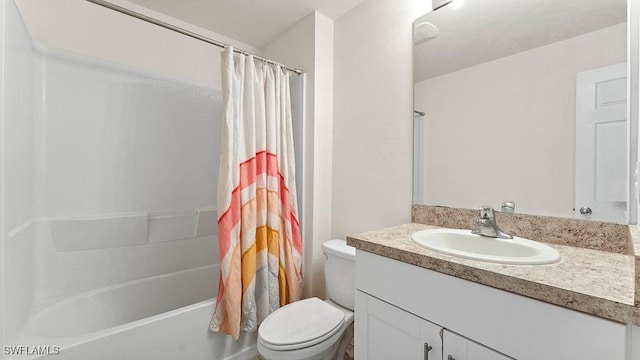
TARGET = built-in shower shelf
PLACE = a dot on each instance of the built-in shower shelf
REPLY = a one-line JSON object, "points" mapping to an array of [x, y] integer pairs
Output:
{"points": [[131, 229], [168, 226], [178, 225], [99, 232], [207, 223]]}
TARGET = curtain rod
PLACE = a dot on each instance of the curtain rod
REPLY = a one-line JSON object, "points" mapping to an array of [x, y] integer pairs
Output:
{"points": [[182, 31]]}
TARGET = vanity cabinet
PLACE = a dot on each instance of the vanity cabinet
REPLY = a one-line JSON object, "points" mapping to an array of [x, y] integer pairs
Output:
{"points": [[400, 307]]}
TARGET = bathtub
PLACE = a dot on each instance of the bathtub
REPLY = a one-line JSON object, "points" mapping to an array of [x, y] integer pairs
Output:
{"points": [[160, 317]]}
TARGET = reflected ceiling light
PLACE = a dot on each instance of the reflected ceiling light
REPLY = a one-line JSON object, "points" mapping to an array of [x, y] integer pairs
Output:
{"points": [[456, 4], [424, 31]]}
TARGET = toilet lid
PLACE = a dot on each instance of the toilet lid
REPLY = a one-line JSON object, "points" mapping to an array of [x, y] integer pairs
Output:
{"points": [[302, 323]]}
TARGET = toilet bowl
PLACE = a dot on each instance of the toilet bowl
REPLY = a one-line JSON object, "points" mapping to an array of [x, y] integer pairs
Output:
{"points": [[309, 329], [313, 329]]}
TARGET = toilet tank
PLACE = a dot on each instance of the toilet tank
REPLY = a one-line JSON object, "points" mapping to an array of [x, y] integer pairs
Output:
{"points": [[340, 272]]}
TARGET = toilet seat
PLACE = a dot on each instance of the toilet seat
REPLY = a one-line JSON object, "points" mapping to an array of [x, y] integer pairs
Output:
{"points": [[301, 324]]}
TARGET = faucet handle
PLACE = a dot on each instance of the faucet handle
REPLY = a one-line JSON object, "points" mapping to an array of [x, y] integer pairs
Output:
{"points": [[486, 212], [508, 207]]}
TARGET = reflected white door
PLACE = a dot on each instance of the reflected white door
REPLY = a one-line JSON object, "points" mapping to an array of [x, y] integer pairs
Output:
{"points": [[601, 144]]}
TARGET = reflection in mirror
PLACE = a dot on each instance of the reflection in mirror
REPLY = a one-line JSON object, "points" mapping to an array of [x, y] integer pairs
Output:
{"points": [[524, 101]]}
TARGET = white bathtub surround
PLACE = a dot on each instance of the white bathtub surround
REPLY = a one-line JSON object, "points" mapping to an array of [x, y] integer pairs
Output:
{"points": [[258, 227], [109, 247], [66, 318], [160, 317]]}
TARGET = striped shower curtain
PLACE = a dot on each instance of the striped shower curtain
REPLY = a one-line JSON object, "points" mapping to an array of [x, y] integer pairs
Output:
{"points": [[258, 229]]}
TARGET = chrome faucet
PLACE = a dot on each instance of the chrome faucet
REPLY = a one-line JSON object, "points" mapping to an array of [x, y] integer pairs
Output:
{"points": [[486, 224]]}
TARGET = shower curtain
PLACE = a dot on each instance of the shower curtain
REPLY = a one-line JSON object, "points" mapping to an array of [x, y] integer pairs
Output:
{"points": [[258, 229]]}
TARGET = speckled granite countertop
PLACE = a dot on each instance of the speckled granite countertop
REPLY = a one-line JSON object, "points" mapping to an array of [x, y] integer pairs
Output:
{"points": [[591, 281]]}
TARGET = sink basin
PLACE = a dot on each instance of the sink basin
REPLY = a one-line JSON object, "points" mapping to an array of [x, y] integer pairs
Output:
{"points": [[464, 244]]}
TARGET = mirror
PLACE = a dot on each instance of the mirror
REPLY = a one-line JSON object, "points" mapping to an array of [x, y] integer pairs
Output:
{"points": [[523, 101]]}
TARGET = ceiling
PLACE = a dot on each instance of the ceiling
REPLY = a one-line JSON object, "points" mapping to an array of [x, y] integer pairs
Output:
{"points": [[485, 30], [253, 22]]}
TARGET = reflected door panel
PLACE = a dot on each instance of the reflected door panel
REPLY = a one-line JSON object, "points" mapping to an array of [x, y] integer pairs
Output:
{"points": [[601, 144]]}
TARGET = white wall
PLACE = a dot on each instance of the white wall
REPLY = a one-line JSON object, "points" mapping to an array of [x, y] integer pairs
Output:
{"points": [[114, 141], [309, 45], [92, 30], [373, 105], [482, 117]]}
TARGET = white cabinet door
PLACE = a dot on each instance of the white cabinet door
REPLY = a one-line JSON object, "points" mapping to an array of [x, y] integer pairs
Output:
{"points": [[456, 347], [385, 332]]}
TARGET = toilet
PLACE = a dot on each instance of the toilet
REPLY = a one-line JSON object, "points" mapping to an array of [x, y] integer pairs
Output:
{"points": [[313, 329]]}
